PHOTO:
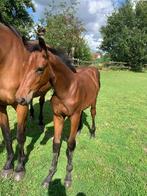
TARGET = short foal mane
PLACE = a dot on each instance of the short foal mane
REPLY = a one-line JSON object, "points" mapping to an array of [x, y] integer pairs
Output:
{"points": [[33, 46], [65, 58]]}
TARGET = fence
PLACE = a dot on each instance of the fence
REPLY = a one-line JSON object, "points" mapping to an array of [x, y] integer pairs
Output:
{"points": [[110, 64]]}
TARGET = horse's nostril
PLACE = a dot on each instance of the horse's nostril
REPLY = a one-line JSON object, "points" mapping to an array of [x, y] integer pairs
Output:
{"points": [[21, 101]]}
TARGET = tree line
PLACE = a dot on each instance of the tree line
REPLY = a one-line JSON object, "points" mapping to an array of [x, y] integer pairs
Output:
{"points": [[63, 28], [124, 35]]}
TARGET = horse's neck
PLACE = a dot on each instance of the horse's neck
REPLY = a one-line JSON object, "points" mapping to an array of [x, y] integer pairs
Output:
{"points": [[62, 76], [12, 47]]}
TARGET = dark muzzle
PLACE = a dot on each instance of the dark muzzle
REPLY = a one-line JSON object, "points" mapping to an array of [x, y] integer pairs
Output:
{"points": [[22, 101]]}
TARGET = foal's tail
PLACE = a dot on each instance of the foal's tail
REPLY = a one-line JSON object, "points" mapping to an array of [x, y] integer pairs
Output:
{"points": [[98, 77]]}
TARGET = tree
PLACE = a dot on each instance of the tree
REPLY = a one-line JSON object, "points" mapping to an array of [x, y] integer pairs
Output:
{"points": [[15, 13], [63, 29], [125, 35], [83, 52]]}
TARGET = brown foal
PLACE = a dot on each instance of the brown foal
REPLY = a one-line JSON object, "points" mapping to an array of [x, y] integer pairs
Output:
{"points": [[73, 92]]}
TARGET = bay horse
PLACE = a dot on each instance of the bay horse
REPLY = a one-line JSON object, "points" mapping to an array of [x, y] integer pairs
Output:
{"points": [[15, 56], [73, 92]]}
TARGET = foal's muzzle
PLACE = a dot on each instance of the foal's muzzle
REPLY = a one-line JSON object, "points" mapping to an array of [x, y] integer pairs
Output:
{"points": [[22, 101], [25, 100]]}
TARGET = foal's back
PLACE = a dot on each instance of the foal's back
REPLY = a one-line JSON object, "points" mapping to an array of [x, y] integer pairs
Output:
{"points": [[87, 86], [88, 79]]}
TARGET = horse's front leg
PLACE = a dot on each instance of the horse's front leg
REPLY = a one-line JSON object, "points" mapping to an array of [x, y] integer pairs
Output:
{"points": [[75, 118], [58, 126], [4, 124], [21, 125]]}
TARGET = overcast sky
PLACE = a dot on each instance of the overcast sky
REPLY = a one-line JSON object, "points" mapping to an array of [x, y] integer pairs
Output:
{"points": [[93, 13]]}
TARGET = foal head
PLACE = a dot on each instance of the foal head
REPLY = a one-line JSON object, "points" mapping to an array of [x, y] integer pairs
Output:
{"points": [[36, 74]]}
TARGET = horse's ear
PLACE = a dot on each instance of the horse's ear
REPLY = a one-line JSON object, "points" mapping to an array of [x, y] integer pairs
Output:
{"points": [[42, 43]]}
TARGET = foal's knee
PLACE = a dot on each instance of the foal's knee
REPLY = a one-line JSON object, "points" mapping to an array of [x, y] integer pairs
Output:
{"points": [[56, 147], [71, 145], [93, 111]]}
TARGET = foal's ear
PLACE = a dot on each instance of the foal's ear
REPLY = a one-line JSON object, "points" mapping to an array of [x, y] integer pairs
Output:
{"points": [[42, 43]]}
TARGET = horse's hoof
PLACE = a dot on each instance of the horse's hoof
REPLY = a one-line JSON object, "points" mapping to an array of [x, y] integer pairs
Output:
{"points": [[67, 183], [92, 135], [45, 184], [6, 173], [19, 175]]}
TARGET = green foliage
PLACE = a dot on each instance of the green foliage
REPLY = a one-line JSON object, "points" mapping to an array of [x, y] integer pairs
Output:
{"points": [[63, 28], [15, 13], [83, 51], [114, 163], [125, 35]]}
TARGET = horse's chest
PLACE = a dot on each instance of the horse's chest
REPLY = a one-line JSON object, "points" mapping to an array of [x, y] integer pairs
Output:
{"points": [[63, 107], [58, 107]]}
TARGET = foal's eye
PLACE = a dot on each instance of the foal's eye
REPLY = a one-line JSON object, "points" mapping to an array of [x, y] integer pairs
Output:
{"points": [[40, 70]]}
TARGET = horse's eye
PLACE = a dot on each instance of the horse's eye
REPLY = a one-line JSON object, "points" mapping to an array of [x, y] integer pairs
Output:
{"points": [[40, 70]]}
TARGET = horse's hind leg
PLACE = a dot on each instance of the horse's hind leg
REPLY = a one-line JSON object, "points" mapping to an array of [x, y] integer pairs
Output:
{"points": [[93, 114], [4, 124], [21, 118], [70, 148], [41, 103], [58, 127]]}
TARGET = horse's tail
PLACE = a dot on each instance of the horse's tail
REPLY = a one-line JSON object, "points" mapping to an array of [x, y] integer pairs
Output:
{"points": [[98, 77]]}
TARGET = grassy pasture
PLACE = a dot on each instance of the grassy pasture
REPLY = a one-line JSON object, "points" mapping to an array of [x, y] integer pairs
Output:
{"points": [[114, 163]]}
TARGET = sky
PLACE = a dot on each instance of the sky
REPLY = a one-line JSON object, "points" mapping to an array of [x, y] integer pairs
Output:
{"points": [[93, 13]]}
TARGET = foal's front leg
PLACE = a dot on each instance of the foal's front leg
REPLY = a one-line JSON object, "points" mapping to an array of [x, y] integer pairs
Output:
{"points": [[21, 119], [4, 124], [58, 127], [70, 147]]}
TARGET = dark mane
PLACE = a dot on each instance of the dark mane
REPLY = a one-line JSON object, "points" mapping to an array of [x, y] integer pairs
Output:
{"points": [[16, 32], [13, 29], [33, 46], [65, 58]]}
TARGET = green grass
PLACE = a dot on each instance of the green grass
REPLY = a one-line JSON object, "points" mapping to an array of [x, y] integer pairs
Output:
{"points": [[114, 163]]}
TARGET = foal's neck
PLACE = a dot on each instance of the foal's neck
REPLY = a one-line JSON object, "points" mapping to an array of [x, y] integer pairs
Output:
{"points": [[63, 76]]}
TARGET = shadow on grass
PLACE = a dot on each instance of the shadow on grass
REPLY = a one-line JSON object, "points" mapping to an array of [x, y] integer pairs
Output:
{"points": [[34, 131], [56, 188], [81, 194]]}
